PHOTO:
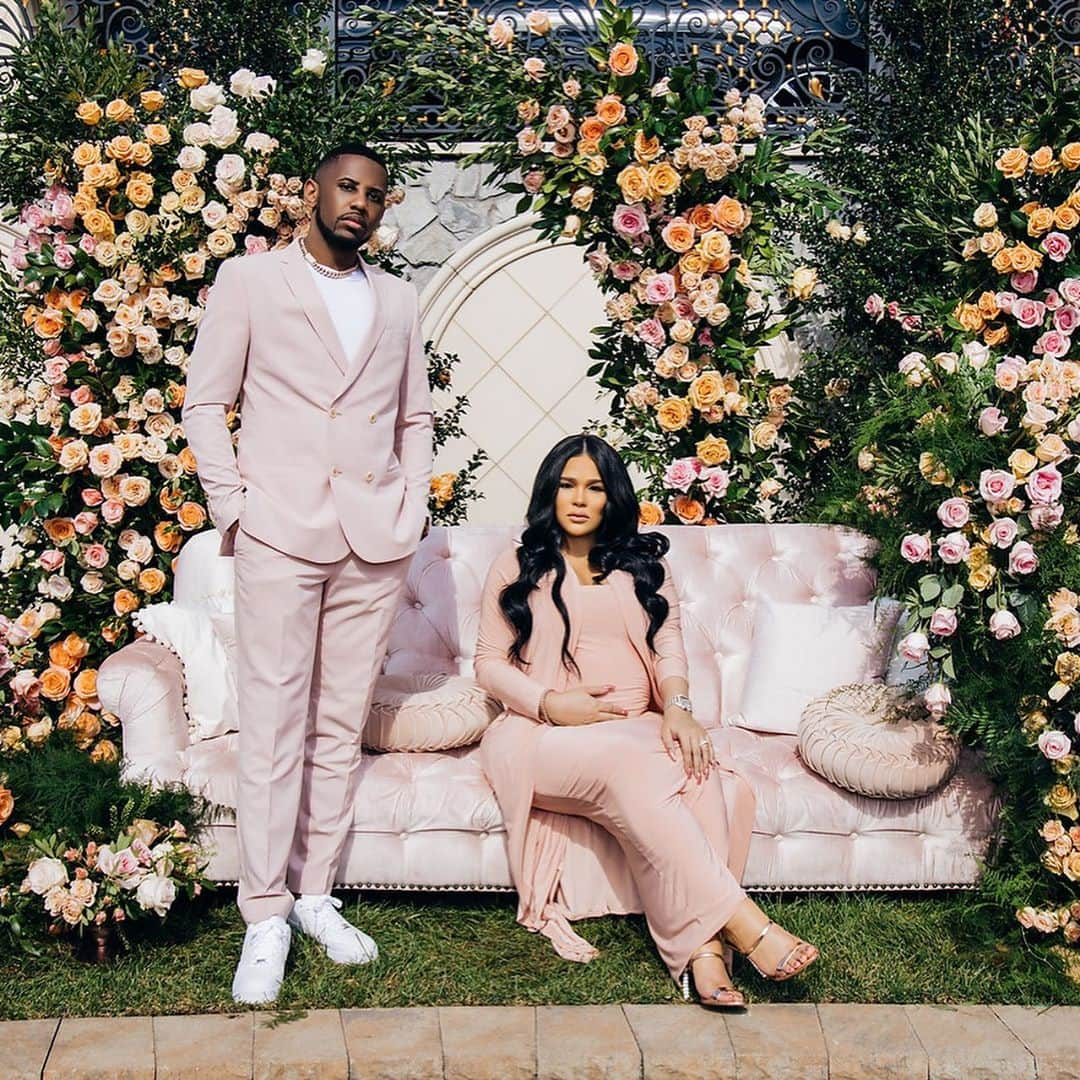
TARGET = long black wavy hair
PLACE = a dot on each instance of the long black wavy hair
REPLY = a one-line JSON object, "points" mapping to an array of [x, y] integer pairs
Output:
{"points": [[619, 545]]}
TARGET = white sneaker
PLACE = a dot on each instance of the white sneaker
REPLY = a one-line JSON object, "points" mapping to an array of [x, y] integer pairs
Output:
{"points": [[262, 962], [317, 916]]}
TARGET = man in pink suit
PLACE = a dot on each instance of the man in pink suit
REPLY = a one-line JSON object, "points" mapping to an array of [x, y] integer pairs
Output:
{"points": [[323, 506]]}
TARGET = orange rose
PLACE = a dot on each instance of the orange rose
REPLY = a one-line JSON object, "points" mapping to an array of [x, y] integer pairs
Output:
{"points": [[86, 684], [646, 149], [59, 657], [152, 100], [996, 335], [191, 516], [693, 263], [701, 217], [988, 305], [1070, 156], [85, 200], [105, 753], [140, 193], [707, 389], [967, 315], [1042, 161], [673, 414], [1040, 221], [87, 729], [119, 111], [729, 215], [1065, 217], [86, 154], [610, 110], [663, 179], [633, 182], [48, 324], [125, 602], [715, 247], [678, 234], [167, 536], [151, 580], [689, 511], [157, 134], [90, 113], [76, 646], [120, 148], [1013, 163], [191, 78], [170, 499], [712, 451], [99, 224], [1002, 261], [55, 683], [7, 803], [174, 395], [75, 300], [187, 460], [59, 530], [592, 129], [585, 147], [1025, 258], [623, 59], [649, 513]]}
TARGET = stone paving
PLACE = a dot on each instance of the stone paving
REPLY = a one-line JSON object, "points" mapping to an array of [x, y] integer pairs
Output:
{"points": [[587, 1042]]}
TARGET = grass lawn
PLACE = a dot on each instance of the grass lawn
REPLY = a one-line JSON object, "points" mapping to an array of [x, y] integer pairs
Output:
{"points": [[443, 949]]}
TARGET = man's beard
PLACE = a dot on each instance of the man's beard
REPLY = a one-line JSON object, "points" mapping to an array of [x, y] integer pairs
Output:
{"points": [[334, 241]]}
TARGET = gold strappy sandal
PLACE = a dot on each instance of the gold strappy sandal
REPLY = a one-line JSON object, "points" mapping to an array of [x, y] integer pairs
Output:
{"points": [[779, 974], [723, 997]]}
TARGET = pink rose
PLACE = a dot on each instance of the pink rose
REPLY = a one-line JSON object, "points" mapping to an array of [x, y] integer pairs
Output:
{"points": [[255, 245], [87, 243], [1066, 318], [1052, 299], [943, 622], [91, 497], [1003, 532], [911, 323], [1005, 301], [991, 421], [1022, 558], [533, 181], [914, 647], [599, 260], [56, 370], [33, 216], [1070, 289], [683, 308], [1057, 245], [1046, 518], [1053, 343], [1004, 625], [1044, 485], [892, 309], [64, 257], [953, 548], [96, 555], [1025, 282], [1029, 313], [1055, 745], [630, 221], [875, 307], [19, 261], [625, 270], [937, 700], [651, 331], [681, 473], [85, 522], [51, 559], [112, 510], [996, 485], [954, 513], [26, 685], [716, 482], [82, 395], [660, 289], [915, 548]]}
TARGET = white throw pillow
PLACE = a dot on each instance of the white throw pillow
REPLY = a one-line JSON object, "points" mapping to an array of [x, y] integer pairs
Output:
{"points": [[801, 651], [209, 677]]}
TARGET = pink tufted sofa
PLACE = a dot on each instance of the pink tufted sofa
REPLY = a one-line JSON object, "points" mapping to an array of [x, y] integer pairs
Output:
{"points": [[431, 821]]}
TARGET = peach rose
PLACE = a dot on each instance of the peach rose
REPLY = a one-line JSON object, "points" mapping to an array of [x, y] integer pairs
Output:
{"points": [[99, 224], [1070, 156], [7, 804], [59, 657], [713, 450], [187, 460], [125, 602], [1040, 221], [623, 59], [673, 414], [688, 510], [151, 580], [803, 282], [730, 215], [663, 179], [167, 536], [134, 490], [1012, 163], [119, 111], [86, 154], [633, 182], [86, 684], [90, 113], [1065, 217], [105, 753], [678, 234], [649, 513], [191, 516], [192, 78], [1042, 161], [646, 148], [87, 728], [610, 110], [1025, 258], [592, 130], [59, 530], [707, 389], [152, 100], [55, 683]]}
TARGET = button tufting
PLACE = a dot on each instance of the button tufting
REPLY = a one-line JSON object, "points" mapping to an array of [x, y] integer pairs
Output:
{"points": [[418, 605]]}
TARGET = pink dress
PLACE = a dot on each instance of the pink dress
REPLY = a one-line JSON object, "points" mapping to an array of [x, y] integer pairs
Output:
{"points": [[680, 842]]}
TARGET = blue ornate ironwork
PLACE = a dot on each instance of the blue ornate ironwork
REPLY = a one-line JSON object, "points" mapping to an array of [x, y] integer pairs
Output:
{"points": [[16, 26]]}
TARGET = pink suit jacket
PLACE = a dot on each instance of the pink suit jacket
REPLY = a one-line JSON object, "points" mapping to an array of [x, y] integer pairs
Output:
{"points": [[334, 452]]}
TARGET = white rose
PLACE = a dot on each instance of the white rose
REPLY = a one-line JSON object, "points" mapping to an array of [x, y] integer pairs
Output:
{"points": [[56, 587], [197, 134], [231, 170], [154, 450], [92, 582], [985, 216], [127, 569], [45, 874], [192, 158], [242, 82], [169, 467], [155, 893], [224, 127], [85, 418], [74, 456], [213, 214], [141, 550], [105, 460], [313, 62], [207, 97], [146, 339], [11, 559], [259, 142]]}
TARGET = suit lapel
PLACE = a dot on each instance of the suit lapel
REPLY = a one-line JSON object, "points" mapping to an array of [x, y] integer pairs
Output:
{"points": [[376, 278], [298, 278]]}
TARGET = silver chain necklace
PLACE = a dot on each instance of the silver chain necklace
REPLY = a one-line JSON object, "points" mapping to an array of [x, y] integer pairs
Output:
{"points": [[326, 271]]}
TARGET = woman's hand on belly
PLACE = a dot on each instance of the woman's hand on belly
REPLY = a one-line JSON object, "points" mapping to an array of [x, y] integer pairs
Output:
{"points": [[581, 705]]}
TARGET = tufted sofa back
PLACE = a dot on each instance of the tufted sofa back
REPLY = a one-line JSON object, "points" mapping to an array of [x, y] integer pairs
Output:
{"points": [[721, 573]]}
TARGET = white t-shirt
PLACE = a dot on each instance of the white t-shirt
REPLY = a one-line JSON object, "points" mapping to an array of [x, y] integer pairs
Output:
{"points": [[351, 307]]}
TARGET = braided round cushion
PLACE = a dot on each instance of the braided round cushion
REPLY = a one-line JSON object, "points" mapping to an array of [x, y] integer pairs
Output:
{"points": [[427, 712], [872, 739]]}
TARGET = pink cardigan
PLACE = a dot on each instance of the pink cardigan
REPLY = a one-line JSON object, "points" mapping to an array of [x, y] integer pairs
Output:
{"points": [[567, 867]]}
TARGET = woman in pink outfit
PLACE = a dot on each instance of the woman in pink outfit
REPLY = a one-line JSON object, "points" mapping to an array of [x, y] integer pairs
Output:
{"points": [[615, 798]]}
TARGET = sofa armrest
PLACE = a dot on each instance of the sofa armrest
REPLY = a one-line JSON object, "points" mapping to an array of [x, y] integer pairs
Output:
{"points": [[143, 684]]}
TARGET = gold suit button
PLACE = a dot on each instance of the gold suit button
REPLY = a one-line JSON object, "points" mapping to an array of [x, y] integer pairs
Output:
{"points": [[334, 414], [369, 477], [335, 471], [373, 418]]}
